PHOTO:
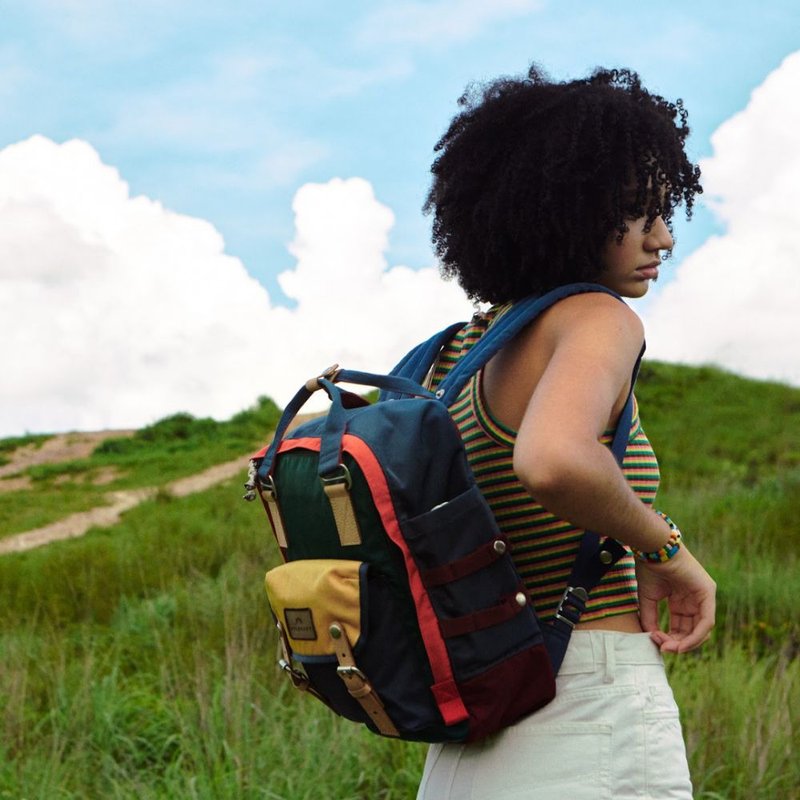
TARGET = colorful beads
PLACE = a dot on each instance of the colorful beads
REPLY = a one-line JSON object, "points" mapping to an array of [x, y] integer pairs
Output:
{"points": [[666, 552]]}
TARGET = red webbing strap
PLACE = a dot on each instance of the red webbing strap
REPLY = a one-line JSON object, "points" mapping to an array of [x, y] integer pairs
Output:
{"points": [[445, 690], [479, 558], [509, 607]]}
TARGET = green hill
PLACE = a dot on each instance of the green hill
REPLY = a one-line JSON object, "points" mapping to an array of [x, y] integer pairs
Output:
{"points": [[175, 447], [138, 661]]}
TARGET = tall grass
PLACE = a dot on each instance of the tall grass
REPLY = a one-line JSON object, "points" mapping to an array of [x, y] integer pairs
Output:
{"points": [[739, 712], [139, 661], [148, 671]]}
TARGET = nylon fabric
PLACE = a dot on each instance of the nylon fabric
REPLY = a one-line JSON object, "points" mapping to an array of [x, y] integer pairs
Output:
{"points": [[310, 595]]}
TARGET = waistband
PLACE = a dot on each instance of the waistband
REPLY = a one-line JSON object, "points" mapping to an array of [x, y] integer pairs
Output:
{"points": [[589, 650]]}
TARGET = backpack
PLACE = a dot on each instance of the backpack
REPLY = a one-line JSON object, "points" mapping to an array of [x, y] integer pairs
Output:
{"points": [[398, 604]]}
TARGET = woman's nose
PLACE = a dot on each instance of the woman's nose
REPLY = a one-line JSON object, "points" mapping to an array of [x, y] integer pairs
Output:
{"points": [[660, 238]]}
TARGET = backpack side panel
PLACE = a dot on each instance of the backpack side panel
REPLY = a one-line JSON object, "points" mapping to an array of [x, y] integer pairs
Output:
{"points": [[394, 654]]}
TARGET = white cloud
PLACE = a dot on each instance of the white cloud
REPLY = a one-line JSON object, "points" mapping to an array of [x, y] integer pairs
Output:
{"points": [[115, 311], [439, 23], [343, 288], [734, 301]]}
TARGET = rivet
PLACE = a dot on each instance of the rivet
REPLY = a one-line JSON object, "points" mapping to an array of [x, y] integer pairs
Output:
{"points": [[499, 546], [335, 631], [606, 557], [521, 599]]}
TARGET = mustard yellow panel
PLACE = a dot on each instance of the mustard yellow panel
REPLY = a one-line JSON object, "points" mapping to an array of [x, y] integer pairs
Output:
{"points": [[308, 596]]}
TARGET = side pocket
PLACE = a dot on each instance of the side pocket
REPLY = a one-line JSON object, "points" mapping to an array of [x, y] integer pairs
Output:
{"points": [[308, 596], [451, 533], [450, 530]]}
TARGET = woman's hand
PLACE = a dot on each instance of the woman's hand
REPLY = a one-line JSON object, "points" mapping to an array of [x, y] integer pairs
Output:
{"points": [[690, 593]]}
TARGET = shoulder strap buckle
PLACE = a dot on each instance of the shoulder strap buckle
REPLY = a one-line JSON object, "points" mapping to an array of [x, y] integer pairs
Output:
{"points": [[572, 605]]}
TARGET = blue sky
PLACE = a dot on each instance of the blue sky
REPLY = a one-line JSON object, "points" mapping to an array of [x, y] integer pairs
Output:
{"points": [[223, 112]]}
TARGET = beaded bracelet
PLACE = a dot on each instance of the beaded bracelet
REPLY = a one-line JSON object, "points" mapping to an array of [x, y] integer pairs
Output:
{"points": [[666, 552]]}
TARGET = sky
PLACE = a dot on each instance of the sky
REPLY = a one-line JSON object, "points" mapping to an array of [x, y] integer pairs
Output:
{"points": [[201, 203]]}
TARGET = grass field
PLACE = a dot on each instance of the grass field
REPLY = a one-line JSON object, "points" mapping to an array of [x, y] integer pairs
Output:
{"points": [[138, 661]]}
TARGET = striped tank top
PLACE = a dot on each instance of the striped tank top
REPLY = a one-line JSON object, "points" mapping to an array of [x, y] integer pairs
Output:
{"points": [[543, 546]]}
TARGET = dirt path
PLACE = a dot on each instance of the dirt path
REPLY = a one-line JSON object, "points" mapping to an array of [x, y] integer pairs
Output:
{"points": [[105, 516], [69, 446], [61, 447]]}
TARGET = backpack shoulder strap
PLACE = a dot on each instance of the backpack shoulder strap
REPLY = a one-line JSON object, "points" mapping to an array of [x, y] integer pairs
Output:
{"points": [[503, 331], [417, 362]]}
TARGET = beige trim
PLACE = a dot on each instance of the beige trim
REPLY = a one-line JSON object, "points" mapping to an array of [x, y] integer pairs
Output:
{"points": [[343, 512], [270, 497], [357, 684]]}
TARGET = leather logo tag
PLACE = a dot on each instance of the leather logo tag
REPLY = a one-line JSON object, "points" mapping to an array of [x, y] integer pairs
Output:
{"points": [[300, 623]]}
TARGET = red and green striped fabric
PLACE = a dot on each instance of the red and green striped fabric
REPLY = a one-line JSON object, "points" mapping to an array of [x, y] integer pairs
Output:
{"points": [[544, 545]]}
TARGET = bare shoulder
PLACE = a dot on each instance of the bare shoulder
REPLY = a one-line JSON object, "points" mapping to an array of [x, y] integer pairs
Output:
{"points": [[589, 321], [595, 311], [585, 346]]}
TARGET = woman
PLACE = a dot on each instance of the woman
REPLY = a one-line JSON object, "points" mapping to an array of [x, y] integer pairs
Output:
{"points": [[539, 184]]}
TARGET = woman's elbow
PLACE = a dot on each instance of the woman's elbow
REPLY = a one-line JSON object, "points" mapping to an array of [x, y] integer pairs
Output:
{"points": [[546, 473]]}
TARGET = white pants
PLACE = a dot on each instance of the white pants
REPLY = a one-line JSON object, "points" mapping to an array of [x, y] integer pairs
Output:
{"points": [[611, 732]]}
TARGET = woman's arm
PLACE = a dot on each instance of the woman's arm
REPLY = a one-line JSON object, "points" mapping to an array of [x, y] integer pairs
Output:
{"points": [[590, 344]]}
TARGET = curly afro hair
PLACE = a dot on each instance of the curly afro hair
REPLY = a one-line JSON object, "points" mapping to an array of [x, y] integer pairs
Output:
{"points": [[533, 176]]}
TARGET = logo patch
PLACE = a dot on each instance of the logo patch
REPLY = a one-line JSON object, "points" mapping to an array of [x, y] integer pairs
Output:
{"points": [[300, 623]]}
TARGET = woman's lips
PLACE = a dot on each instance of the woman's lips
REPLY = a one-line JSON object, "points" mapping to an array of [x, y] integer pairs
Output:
{"points": [[650, 272]]}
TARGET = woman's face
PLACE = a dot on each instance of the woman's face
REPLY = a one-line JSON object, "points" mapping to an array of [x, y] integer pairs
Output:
{"points": [[631, 264]]}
